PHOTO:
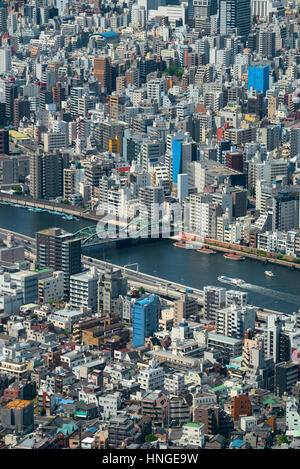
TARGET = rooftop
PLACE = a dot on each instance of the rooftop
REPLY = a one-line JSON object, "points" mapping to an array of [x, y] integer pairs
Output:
{"points": [[17, 404]]}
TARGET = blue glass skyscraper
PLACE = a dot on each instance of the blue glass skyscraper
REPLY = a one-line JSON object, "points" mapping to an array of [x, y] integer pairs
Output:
{"points": [[177, 159], [258, 78], [145, 318]]}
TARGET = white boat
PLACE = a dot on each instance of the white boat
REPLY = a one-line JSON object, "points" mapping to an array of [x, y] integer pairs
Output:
{"points": [[269, 273], [232, 281]]}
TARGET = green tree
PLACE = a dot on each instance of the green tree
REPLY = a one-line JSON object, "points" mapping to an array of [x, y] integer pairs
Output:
{"points": [[174, 70], [282, 439], [150, 438]]}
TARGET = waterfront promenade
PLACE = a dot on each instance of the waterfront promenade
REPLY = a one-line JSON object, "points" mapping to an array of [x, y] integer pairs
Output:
{"points": [[48, 205]]}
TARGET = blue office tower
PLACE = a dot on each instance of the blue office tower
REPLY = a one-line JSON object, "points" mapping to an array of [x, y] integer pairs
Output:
{"points": [[177, 159], [258, 78], [145, 318]]}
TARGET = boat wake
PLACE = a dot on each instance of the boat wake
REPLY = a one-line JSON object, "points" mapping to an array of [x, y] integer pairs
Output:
{"points": [[274, 293]]}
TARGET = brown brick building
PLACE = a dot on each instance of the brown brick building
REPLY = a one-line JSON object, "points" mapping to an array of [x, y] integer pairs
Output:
{"points": [[215, 420], [240, 405]]}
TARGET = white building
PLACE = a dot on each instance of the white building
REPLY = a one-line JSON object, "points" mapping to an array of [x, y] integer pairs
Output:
{"points": [[237, 297], [247, 423], [5, 59], [174, 382], [65, 319], [51, 288], [10, 302], [155, 90], [152, 377], [292, 417], [54, 140], [84, 289], [192, 434], [110, 404], [234, 320], [182, 186]]}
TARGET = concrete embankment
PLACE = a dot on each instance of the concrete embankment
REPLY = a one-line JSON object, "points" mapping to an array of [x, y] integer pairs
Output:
{"points": [[47, 205]]}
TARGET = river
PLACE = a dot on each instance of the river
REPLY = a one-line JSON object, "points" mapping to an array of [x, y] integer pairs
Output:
{"points": [[161, 258]]}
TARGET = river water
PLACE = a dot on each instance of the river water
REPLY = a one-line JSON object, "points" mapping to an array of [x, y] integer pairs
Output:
{"points": [[161, 258]]}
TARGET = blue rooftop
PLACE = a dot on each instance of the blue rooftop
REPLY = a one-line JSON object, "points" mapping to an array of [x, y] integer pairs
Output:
{"points": [[106, 34], [237, 443], [92, 430], [64, 401]]}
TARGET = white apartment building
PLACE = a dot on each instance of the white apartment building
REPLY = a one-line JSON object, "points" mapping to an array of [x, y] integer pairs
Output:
{"points": [[152, 378], [174, 382], [192, 434], [10, 303], [75, 358], [5, 59], [65, 319], [84, 289], [54, 140], [235, 320], [110, 403], [51, 288], [204, 398], [155, 90], [247, 423], [292, 417]]}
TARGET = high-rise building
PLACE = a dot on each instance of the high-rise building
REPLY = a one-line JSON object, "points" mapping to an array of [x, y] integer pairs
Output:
{"points": [[183, 153], [3, 17], [102, 71], [84, 289], [45, 97], [145, 318], [272, 336], [111, 285], [5, 59], [183, 308], [4, 141], [239, 298], [235, 15], [285, 208], [11, 93], [258, 78], [117, 106], [18, 414], [122, 429], [69, 182], [59, 250], [286, 375], [214, 300], [266, 43], [182, 186], [21, 109], [295, 141], [271, 136], [234, 160], [234, 320], [46, 174], [151, 197]]}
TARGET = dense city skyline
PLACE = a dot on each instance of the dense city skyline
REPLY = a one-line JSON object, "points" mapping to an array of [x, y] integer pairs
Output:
{"points": [[129, 130]]}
